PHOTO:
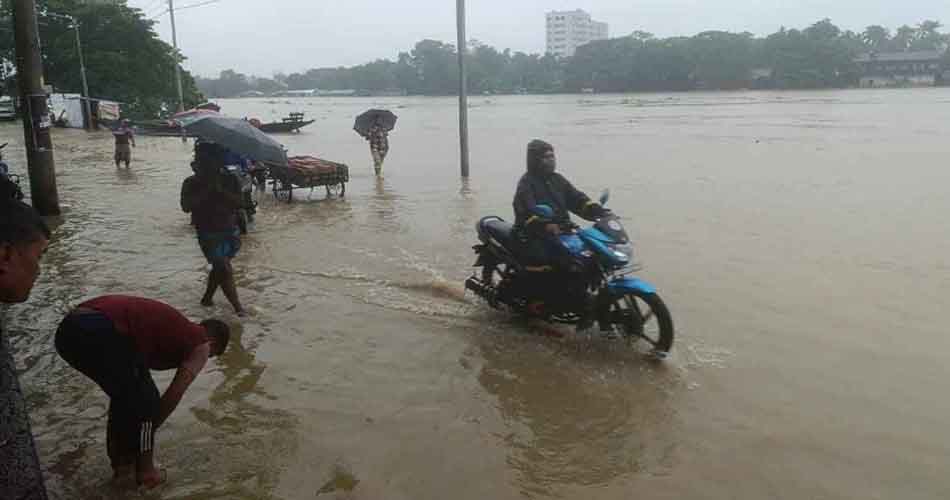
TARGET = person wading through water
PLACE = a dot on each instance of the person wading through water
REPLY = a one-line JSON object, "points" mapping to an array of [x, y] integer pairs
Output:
{"points": [[213, 197], [124, 142], [378, 145]]}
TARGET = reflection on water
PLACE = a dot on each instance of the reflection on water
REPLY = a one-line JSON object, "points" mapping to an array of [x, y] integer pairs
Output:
{"points": [[579, 415], [240, 417]]}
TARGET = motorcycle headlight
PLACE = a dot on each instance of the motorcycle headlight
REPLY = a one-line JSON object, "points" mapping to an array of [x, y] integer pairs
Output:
{"points": [[623, 252]]}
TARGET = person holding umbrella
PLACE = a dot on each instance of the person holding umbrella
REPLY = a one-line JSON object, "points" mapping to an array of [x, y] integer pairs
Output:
{"points": [[212, 197], [378, 146], [375, 125]]}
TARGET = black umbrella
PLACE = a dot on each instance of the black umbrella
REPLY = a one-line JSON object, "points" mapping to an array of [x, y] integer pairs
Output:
{"points": [[235, 134], [365, 121]]}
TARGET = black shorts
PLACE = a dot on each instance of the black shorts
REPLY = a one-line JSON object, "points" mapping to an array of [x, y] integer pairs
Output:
{"points": [[89, 342]]}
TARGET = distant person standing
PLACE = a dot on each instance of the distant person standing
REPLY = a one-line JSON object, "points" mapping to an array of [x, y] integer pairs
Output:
{"points": [[124, 142], [378, 145], [213, 196], [115, 340]]}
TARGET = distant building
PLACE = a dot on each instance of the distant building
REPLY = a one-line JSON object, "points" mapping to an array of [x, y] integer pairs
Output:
{"points": [[902, 69], [568, 30], [67, 110]]}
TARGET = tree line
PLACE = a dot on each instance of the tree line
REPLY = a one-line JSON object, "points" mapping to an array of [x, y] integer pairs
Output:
{"points": [[819, 56], [125, 59]]}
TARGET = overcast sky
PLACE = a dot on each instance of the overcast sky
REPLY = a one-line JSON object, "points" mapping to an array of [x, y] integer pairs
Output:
{"points": [[263, 37]]}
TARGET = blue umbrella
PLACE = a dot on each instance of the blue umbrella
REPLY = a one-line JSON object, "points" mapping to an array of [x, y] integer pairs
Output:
{"points": [[237, 135]]}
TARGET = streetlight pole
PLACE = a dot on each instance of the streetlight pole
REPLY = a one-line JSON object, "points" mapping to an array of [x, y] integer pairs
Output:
{"points": [[181, 99], [87, 104], [463, 87]]}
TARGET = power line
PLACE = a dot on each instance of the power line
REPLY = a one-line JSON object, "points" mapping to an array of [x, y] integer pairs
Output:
{"points": [[199, 4], [184, 7]]}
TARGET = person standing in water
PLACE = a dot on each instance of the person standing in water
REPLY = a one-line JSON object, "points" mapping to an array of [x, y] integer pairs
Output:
{"points": [[378, 138], [124, 142]]}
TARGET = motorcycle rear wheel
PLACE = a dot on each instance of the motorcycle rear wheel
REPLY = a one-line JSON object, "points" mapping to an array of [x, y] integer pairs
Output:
{"points": [[644, 316]]}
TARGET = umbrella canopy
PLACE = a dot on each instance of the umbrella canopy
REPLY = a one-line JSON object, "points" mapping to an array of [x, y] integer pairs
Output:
{"points": [[237, 135], [365, 121], [193, 113]]}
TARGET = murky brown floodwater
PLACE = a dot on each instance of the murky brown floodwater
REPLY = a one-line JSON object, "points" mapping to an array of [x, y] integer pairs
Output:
{"points": [[801, 240]]}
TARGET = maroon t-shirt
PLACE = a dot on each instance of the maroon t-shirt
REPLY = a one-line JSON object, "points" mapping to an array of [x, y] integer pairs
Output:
{"points": [[162, 335]]}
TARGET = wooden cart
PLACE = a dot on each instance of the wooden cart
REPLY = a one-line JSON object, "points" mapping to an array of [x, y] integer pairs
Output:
{"points": [[308, 172]]}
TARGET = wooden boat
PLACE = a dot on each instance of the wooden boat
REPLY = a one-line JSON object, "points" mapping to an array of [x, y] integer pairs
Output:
{"points": [[292, 123]]}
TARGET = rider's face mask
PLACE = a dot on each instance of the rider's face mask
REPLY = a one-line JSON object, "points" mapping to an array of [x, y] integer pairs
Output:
{"points": [[548, 162]]}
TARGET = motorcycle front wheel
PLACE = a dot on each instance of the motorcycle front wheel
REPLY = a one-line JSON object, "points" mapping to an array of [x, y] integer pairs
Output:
{"points": [[644, 316]]}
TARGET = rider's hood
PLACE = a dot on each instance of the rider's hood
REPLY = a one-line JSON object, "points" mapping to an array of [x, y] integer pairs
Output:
{"points": [[536, 150]]}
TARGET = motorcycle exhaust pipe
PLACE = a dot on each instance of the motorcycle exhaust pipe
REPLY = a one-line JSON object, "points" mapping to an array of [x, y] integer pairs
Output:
{"points": [[487, 292]]}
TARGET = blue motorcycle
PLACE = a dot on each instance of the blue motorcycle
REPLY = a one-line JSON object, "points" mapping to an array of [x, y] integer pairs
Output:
{"points": [[592, 280]]}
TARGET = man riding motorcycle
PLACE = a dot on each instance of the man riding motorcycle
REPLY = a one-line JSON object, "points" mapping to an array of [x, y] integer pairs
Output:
{"points": [[543, 203]]}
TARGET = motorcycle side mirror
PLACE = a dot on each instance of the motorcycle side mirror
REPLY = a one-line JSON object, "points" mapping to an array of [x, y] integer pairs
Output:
{"points": [[544, 211], [604, 197]]}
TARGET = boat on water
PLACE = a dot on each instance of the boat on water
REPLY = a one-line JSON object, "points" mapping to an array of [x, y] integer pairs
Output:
{"points": [[292, 123]]}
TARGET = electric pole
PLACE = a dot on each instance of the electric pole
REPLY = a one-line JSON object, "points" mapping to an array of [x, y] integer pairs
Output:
{"points": [[181, 98], [463, 87], [87, 104], [36, 120]]}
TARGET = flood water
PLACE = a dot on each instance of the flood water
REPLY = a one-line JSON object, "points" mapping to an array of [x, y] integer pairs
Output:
{"points": [[801, 241]]}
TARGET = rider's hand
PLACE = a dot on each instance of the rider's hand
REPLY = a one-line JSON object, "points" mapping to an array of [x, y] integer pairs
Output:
{"points": [[553, 229]]}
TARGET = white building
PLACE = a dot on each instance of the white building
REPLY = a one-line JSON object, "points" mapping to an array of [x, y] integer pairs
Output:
{"points": [[568, 30]]}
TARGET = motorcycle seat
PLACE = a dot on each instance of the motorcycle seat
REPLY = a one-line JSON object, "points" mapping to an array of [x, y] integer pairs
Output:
{"points": [[497, 229]]}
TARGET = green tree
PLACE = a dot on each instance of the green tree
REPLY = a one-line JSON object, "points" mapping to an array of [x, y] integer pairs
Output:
{"points": [[819, 56], [903, 39], [928, 37], [723, 60], [876, 38], [436, 63], [125, 59]]}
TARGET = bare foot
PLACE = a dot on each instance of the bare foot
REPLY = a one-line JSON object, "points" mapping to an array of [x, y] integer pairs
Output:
{"points": [[242, 313], [153, 478]]}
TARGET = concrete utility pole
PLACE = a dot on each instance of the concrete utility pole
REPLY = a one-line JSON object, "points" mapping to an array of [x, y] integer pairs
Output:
{"points": [[87, 105], [171, 14], [36, 121], [463, 87]]}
